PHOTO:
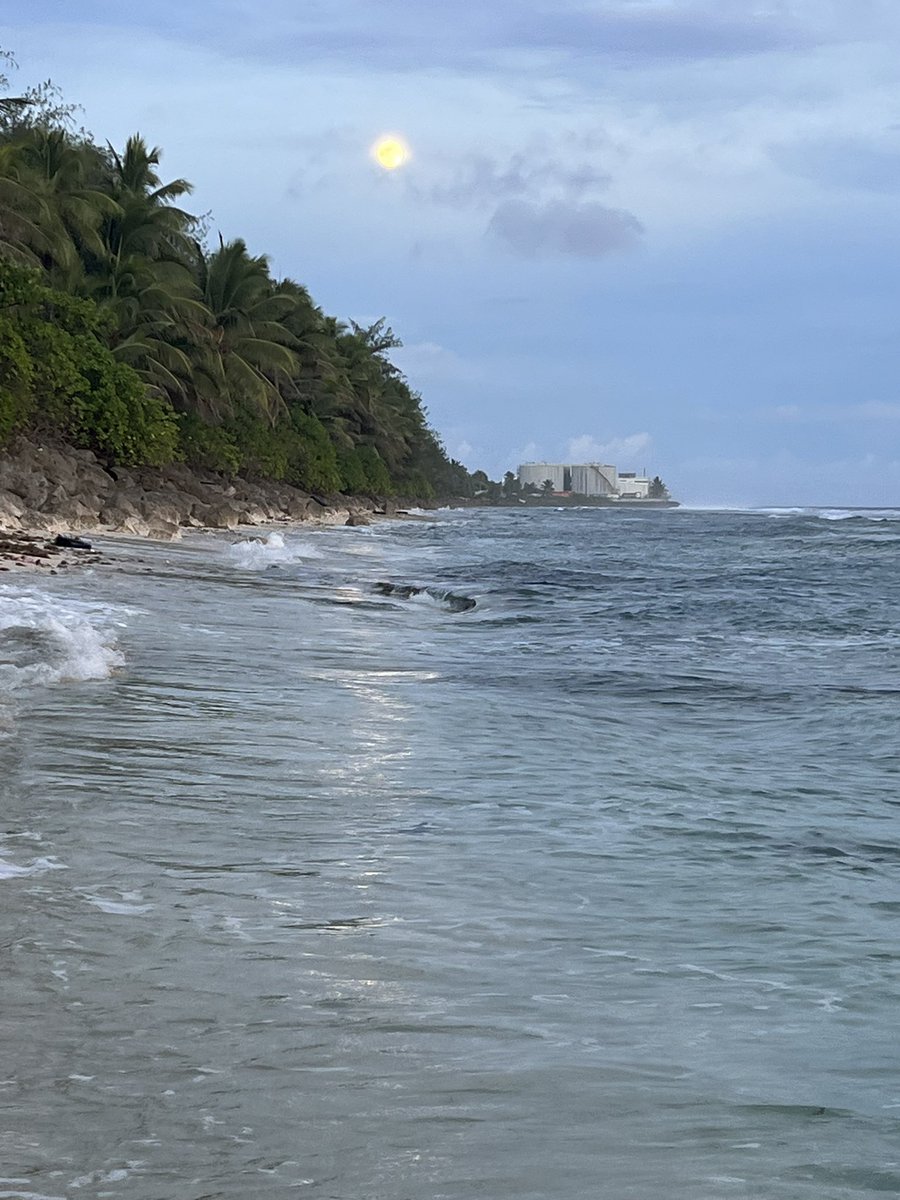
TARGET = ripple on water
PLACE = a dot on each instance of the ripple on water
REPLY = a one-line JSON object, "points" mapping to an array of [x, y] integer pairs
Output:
{"points": [[588, 891]]}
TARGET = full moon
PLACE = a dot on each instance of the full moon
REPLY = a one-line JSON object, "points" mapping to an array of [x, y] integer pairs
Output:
{"points": [[391, 152]]}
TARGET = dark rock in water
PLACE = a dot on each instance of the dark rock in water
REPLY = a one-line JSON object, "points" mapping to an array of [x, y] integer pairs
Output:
{"points": [[73, 543], [454, 603], [405, 591], [357, 519]]}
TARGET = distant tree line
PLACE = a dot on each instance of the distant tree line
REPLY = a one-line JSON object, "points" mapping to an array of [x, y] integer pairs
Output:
{"points": [[123, 330], [657, 489]]}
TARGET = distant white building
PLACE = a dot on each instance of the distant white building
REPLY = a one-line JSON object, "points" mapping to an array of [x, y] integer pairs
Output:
{"points": [[633, 487], [586, 479], [537, 473]]}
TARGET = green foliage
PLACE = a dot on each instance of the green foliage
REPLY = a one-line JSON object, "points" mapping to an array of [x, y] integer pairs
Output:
{"points": [[131, 319], [104, 406], [210, 447], [351, 473], [511, 486], [414, 483], [378, 481], [58, 375], [314, 463], [16, 377], [657, 489], [264, 449], [363, 472]]}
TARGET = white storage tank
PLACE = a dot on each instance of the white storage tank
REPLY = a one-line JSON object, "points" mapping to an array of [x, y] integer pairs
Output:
{"points": [[595, 479], [536, 473]]}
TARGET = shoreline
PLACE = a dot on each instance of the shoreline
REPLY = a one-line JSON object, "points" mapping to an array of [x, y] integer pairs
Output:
{"points": [[54, 491]]}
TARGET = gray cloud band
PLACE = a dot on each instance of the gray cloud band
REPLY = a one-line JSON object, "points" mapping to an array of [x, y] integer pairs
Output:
{"points": [[581, 230]]}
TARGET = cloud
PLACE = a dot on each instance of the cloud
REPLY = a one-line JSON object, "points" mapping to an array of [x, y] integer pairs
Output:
{"points": [[479, 179], [426, 363], [411, 35], [544, 202], [860, 163], [618, 450], [868, 410], [684, 32], [521, 454], [581, 230]]}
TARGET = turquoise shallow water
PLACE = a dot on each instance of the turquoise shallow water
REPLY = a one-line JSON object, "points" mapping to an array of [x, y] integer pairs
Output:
{"points": [[309, 890]]}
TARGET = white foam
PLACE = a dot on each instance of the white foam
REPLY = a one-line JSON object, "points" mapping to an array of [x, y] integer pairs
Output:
{"points": [[879, 515], [426, 600], [37, 866], [125, 907], [836, 514], [51, 639], [117, 1175], [258, 554], [120, 910], [20, 1195]]}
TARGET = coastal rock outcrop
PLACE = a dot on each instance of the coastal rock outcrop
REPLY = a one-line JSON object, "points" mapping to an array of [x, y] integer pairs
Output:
{"points": [[58, 489]]}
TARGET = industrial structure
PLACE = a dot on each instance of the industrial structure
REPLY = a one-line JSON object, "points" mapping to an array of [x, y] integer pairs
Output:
{"points": [[537, 474], [585, 479]]}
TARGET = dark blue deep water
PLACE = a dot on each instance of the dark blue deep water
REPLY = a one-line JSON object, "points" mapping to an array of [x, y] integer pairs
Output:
{"points": [[311, 889]]}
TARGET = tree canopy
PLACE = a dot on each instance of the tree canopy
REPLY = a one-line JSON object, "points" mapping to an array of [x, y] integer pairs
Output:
{"points": [[122, 330]]}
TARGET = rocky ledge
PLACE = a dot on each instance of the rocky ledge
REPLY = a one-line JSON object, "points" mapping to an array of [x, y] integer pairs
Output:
{"points": [[47, 489]]}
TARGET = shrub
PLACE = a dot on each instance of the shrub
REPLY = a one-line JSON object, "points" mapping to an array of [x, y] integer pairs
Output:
{"points": [[209, 446], [58, 375]]}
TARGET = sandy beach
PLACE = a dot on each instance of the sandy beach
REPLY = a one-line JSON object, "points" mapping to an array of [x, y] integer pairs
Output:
{"points": [[33, 551]]}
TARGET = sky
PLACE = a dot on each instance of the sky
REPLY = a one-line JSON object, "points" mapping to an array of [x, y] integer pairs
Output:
{"points": [[658, 233]]}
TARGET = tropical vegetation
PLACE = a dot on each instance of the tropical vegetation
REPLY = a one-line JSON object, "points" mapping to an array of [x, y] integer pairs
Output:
{"points": [[123, 330]]}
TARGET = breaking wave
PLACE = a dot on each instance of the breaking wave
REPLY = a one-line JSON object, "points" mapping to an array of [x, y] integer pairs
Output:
{"points": [[271, 550], [404, 591], [836, 514], [45, 639]]}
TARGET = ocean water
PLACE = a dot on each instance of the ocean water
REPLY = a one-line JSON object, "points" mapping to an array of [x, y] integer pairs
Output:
{"points": [[315, 888]]}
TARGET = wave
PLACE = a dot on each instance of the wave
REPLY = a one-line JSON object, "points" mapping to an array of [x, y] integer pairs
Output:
{"points": [[428, 595], [879, 515], [127, 906], [46, 639], [855, 514], [37, 866], [262, 553]]}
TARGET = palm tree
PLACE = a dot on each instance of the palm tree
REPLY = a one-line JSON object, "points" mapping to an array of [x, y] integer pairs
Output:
{"points": [[21, 237], [145, 276], [148, 223], [253, 349], [56, 180]]}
